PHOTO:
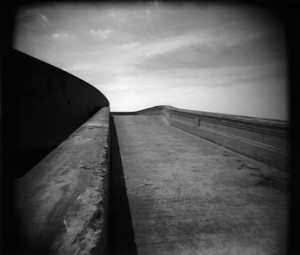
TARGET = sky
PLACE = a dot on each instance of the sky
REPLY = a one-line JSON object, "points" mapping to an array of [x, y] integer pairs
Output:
{"points": [[208, 57]]}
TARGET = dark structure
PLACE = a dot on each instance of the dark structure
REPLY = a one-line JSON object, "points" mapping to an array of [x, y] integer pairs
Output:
{"points": [[43, 105]]}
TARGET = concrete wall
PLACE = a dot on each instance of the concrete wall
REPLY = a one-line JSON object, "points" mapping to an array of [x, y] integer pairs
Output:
{"points": [[62, 203], [46, 104], [59, 205], [42, 106], [264, 140]]}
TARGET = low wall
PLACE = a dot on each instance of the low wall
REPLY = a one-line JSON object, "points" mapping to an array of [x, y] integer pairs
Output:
{"points": [[261, 139], [264, 140], [61, 204]]}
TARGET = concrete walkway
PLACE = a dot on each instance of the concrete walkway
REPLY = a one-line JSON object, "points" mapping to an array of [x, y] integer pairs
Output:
{"points": [[189, 196]]}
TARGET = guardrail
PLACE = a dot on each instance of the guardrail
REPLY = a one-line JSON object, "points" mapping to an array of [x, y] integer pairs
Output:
{"points": [[62, 203]]}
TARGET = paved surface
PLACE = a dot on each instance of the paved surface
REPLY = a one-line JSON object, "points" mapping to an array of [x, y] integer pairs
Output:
{"points": [[189, 196]]}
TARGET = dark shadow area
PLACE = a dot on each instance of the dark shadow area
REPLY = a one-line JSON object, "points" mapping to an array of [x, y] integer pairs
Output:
{"points": [[27, 159], [123, 113], [121, 235], [15, 165], [12, 241]]}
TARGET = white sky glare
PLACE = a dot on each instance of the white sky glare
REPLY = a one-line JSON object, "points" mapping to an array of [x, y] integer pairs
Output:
{"points": [[206, 57]]}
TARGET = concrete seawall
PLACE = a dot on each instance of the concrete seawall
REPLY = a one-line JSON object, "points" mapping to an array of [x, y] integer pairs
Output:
{"points": [[264, 140], [62, 203], [42, 106]]}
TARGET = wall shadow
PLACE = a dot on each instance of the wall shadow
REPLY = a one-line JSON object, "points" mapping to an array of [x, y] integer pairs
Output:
{"points": [[121, 235], [22, 161]]}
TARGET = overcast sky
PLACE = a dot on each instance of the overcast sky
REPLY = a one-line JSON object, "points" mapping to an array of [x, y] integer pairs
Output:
{"points": [[216, 58]]}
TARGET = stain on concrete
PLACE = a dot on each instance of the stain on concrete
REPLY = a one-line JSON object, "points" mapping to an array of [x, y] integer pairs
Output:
{"points": [[270, 181]]}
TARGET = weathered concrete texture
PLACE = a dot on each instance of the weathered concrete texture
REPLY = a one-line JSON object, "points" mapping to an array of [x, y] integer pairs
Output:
{"points": [[190, 196], [62, 202]]}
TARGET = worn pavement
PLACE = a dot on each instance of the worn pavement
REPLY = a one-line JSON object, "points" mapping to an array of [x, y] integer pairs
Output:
{"points": [[186, 195]]}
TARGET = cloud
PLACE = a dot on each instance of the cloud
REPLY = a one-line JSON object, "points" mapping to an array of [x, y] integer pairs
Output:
{"points": [[102, 33], [61, 35], [43, 17], [208, 50], [126, 46], [169, 44], [112, 15], [212, 41], [82, 66], [210, 58]]}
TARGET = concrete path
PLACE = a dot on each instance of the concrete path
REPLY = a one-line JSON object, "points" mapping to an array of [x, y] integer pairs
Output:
{"points": [[189, 196]]}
